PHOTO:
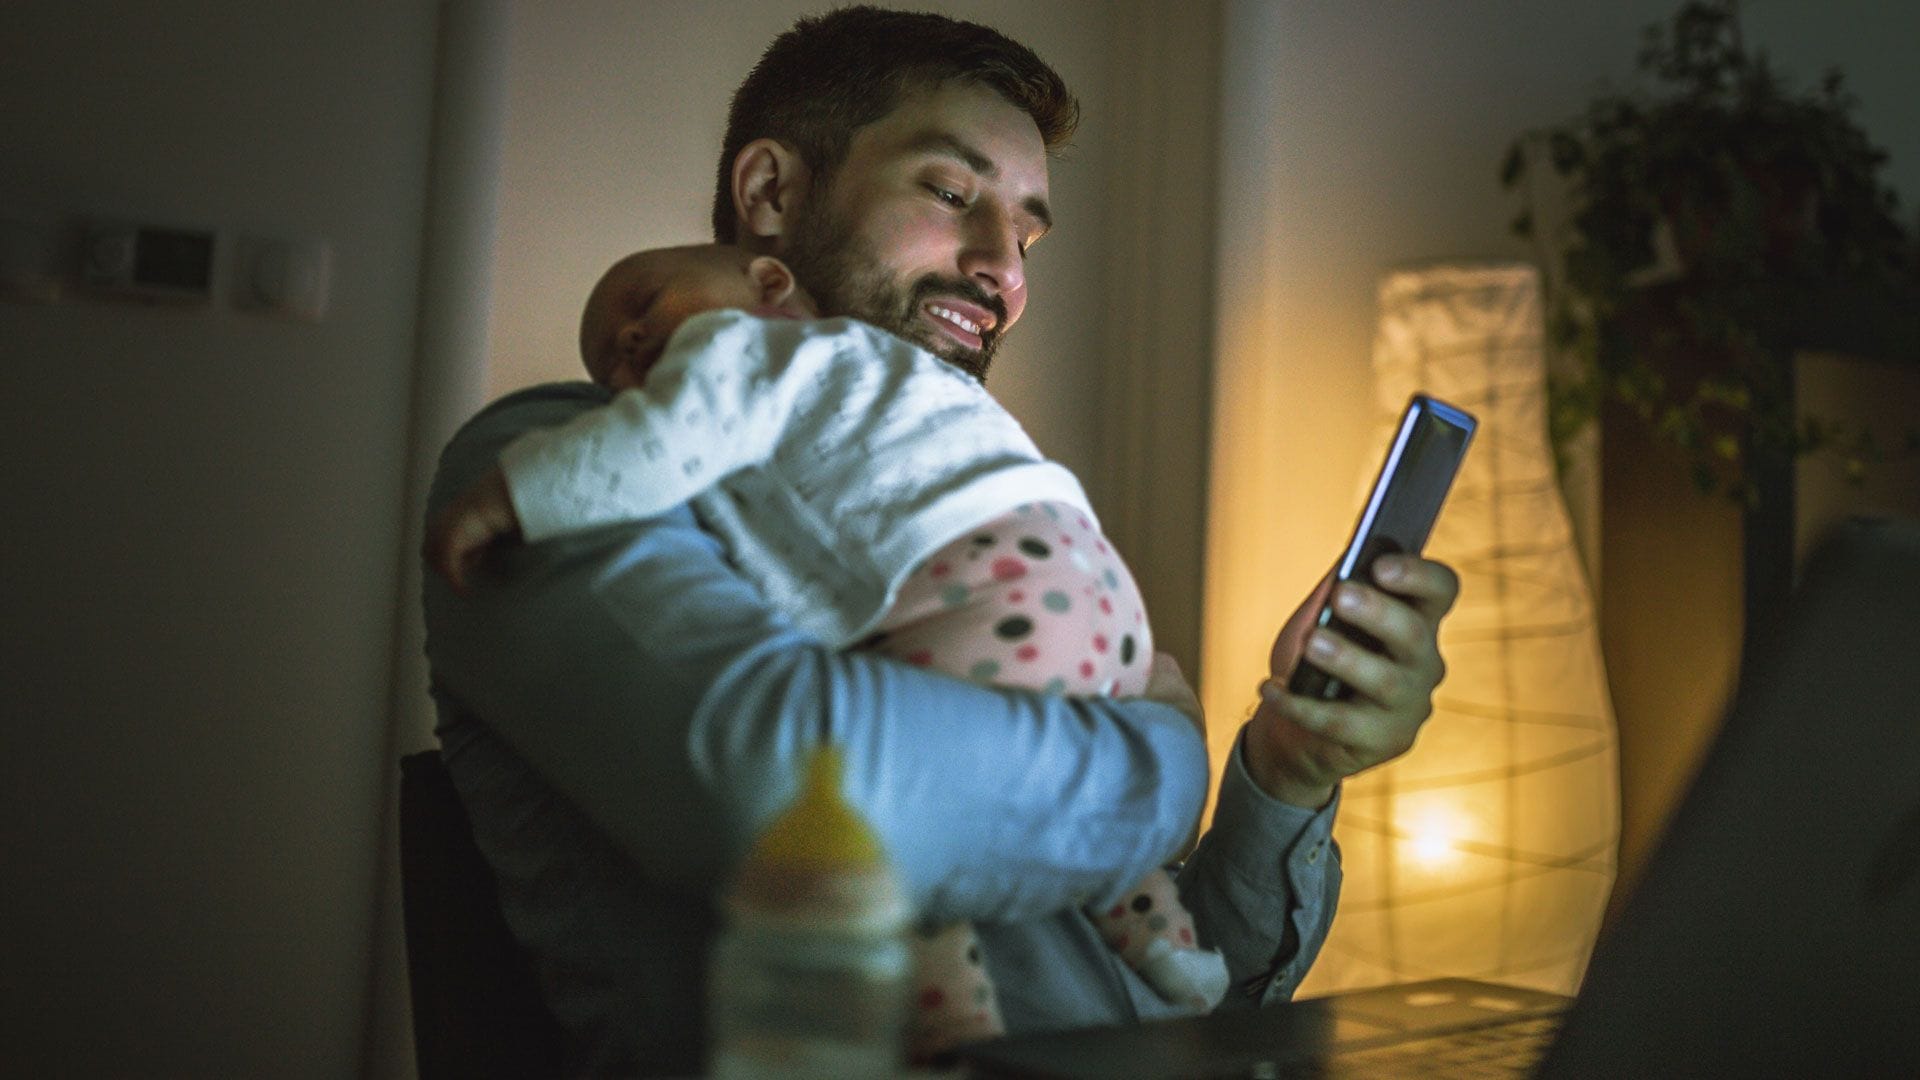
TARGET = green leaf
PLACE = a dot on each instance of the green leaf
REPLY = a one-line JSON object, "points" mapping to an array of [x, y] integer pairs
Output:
{"points": [[1767, 188], [1515, 165], [1565, 152]]}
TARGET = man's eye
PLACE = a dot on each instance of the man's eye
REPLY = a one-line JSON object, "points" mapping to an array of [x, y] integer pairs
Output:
{"points": [[951, 198]]}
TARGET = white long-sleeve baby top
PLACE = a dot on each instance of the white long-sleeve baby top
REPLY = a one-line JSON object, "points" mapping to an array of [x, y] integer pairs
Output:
{"points": [[830, 456]]}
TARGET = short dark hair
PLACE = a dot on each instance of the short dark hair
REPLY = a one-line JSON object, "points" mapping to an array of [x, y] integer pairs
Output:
{"points": [[832, 74]]}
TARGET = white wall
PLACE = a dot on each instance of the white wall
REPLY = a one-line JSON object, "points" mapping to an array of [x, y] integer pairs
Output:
{"points": [[203, 539]]}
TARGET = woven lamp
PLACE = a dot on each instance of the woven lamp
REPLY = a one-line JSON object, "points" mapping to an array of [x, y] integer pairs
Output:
{"points": [[1487, 851]]}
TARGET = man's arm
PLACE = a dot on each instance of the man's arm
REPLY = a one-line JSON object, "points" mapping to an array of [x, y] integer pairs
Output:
{"points": [[652, 687], [1263, 883]]}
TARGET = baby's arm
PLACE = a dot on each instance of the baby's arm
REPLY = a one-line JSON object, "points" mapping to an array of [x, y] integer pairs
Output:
{"points": [[704, 413]]}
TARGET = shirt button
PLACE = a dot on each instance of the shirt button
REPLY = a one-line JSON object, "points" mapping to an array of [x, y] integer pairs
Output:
{"points": [[1313, 853]]}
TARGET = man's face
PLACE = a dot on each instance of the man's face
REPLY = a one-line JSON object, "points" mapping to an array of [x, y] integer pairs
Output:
{"points": [[924, 228]]}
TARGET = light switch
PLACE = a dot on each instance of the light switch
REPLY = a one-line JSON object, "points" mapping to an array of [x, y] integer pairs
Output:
{"points": [[286, 277]]}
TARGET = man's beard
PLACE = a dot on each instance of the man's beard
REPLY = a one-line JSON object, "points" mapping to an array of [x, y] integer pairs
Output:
{"points": [[846, 278]]}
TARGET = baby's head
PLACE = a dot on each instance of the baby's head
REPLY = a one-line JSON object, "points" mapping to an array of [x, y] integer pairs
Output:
{"points": [[644, 298]]}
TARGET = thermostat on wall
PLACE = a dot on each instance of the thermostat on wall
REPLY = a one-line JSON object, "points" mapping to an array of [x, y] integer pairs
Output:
{"points": [[148, 262]]}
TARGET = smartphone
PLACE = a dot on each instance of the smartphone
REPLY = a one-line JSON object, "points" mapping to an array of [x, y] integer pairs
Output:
{"points": [[1420, 466]]}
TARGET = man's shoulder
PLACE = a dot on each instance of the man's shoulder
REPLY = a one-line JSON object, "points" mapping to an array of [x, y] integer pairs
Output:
{"points": [[837, 337], [478, 442], [531, 407], [529, 404]]}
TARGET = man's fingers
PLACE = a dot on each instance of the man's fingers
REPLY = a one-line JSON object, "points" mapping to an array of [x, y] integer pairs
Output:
{"points": [[1359, 736], [1406, 632], [1167, 684], [1430, 586], [454, 568], [1309, 745], [1336, 722], [1305, 712], [1376, 678], [1402, 630]]}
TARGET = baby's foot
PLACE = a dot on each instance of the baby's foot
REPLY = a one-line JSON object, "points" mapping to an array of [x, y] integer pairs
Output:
{"points": [[1196, 978], [1153, 933], [953, 998]]}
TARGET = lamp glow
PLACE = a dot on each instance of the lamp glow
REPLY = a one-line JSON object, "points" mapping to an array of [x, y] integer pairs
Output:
{"points": [[1487, 851], [1432, 842]]}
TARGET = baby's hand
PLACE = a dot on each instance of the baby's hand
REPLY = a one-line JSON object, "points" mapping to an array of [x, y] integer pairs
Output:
{"points": [[1167, 684], [460, 533]]}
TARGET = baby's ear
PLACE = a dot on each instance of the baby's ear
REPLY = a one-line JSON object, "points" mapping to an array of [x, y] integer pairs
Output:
{"points": [[772, 278]]}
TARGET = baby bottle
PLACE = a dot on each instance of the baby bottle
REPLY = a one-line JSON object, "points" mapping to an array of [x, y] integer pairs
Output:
{"points": [[810, 975]]}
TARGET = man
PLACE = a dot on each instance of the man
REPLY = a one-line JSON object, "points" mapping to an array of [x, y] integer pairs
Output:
{"points": [[622, 712]]}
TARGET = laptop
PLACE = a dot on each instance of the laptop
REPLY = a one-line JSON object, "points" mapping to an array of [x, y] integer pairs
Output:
{"points": [[1775, 931]]}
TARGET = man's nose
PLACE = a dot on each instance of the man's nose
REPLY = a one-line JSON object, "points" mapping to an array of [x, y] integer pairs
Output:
{"points": [[992, 259]]}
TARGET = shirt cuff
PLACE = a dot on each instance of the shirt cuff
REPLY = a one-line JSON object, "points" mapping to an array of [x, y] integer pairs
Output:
{"points": [[1261, 837]]}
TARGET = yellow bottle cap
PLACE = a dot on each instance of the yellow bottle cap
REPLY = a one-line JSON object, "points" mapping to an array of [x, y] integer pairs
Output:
{"points": [[820, 864], [820, 829]]}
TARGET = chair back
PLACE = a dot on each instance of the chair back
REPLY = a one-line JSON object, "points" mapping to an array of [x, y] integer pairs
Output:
{"points": [[477, 1010]]}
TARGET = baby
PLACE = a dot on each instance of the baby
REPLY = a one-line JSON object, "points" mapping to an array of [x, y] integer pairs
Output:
{"points": [[876, 495]]}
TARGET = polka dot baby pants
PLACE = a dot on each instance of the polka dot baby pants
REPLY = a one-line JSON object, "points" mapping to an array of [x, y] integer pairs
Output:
{"points": [[1036, 599]]}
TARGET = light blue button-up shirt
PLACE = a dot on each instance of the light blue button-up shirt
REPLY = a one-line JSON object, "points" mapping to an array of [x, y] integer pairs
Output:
{"points": [[622, 713]]}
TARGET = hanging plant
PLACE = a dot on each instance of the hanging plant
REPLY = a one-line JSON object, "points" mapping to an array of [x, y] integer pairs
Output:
{"points": [[1710, 208]]}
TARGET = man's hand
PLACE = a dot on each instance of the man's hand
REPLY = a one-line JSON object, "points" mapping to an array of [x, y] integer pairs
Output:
{"points": [[1299, 748], [1167, 684], [460, 533]]}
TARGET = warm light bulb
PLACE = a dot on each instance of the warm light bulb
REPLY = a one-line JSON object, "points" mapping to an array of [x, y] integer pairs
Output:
{"points": [[1432, 840]]}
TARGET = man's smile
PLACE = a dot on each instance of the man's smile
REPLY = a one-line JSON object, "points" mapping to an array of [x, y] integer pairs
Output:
{"points": [[968, 324]]}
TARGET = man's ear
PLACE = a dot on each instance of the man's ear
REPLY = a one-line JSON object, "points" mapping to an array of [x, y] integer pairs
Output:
{"points": [[769, 182], [772, 278]]}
